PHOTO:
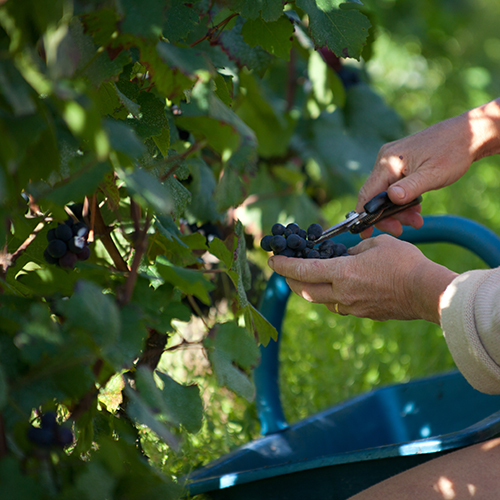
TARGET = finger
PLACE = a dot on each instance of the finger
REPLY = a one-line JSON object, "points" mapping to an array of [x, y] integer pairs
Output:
{"points": [[408, 188], [305, 270], [363, 246], [319, 293], [337, 308], [387, 171]]}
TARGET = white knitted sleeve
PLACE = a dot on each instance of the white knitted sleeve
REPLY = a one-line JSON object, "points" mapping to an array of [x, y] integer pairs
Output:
{"points": [[470, 319]]}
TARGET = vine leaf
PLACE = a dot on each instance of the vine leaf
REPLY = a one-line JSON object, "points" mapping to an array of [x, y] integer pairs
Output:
{"points": [[269, 10], [232, 351], [275, 37], [344, 31]]}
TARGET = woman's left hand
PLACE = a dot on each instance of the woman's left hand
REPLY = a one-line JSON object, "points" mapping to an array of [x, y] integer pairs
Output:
{"points": [[382, 278]]}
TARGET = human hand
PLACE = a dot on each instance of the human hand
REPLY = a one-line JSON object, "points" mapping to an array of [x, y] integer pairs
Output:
{"points": [[383, 278], [409, 167]]}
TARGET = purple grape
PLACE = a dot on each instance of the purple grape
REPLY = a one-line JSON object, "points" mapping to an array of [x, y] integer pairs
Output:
{"points": [[63, 232], [57, 248], [278, 243], [293, 227], [68, 260], [277, 229], [314, 231], [265, 243], [313, 254], [84, 254]]}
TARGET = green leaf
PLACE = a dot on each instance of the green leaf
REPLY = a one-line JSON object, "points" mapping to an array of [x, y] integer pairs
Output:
{"points": [[269, 10], [255, 322], [191, 282], [179, 194], [180, 20], [233, 44], [4, 388], [183, 402], [94, 312], [202, 188], [96, 66], [191, 62], [123, 139], [148, 190], [141, 412], [220, 250], [229, 191], [16, 485], [153, 119], [232, 352], [15, 90], [272, 129], [342, 31], [79, 185], [144, 18], [275, 37], [133, 334], [224, 88]]}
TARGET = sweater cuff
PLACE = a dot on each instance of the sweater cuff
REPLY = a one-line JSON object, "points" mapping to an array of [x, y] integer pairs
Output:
{"points": [[460, 329]]}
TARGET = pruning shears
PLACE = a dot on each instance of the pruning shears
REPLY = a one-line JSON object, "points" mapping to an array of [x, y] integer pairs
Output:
{"points": [[378, 208]]}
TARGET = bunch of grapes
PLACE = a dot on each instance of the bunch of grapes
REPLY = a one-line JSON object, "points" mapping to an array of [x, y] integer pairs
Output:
{"points": [[292, 241], [67, 243], [50, 433]]}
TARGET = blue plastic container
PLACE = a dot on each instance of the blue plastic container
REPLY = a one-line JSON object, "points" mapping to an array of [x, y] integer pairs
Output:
{"points": [[351, 446]]}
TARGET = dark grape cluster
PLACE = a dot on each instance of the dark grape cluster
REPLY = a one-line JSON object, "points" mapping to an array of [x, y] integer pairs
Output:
{"points": [[50, 433], [67, 243], [292, 241]]}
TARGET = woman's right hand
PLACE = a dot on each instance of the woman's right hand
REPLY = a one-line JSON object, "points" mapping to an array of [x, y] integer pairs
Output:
{"points": [[431, 159]]}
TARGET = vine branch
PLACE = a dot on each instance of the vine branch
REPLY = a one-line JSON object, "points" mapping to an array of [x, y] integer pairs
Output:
{"points": [[217, 28]]}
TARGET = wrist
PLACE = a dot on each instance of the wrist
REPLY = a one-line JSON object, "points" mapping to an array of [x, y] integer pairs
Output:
{"points": [[431, 281], [484, 124]]}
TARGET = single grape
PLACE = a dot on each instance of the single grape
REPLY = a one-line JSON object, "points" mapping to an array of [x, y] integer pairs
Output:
{"points": [[314, 231], [41, 437], [287, 252], [57, 248], [69, 222], [313, 254], [265, 243], [51, 234], [63, 232], [302, 233], [84, 254], [48, 420], [68, 260], [278, 243], [278, 229], [339, 249], [294, 241], [293, 227], [64, 437], [48, 258]]}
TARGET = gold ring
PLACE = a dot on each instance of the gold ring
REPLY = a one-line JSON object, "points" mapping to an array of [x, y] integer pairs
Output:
{"points": [[336, 307]]}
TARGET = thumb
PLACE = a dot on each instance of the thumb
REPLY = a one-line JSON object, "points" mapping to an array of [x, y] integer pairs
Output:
{"points": [[408, 188]]}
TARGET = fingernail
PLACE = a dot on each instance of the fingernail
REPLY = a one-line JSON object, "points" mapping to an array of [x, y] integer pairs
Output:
{"points": [[399, 192], [270, 263]]}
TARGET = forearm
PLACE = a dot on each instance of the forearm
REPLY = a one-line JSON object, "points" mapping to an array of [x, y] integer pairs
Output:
{"points": [[430, 281], [484, 123]]}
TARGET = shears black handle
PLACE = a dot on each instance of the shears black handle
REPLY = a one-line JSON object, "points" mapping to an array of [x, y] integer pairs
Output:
{"points": [[378, 208]]}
